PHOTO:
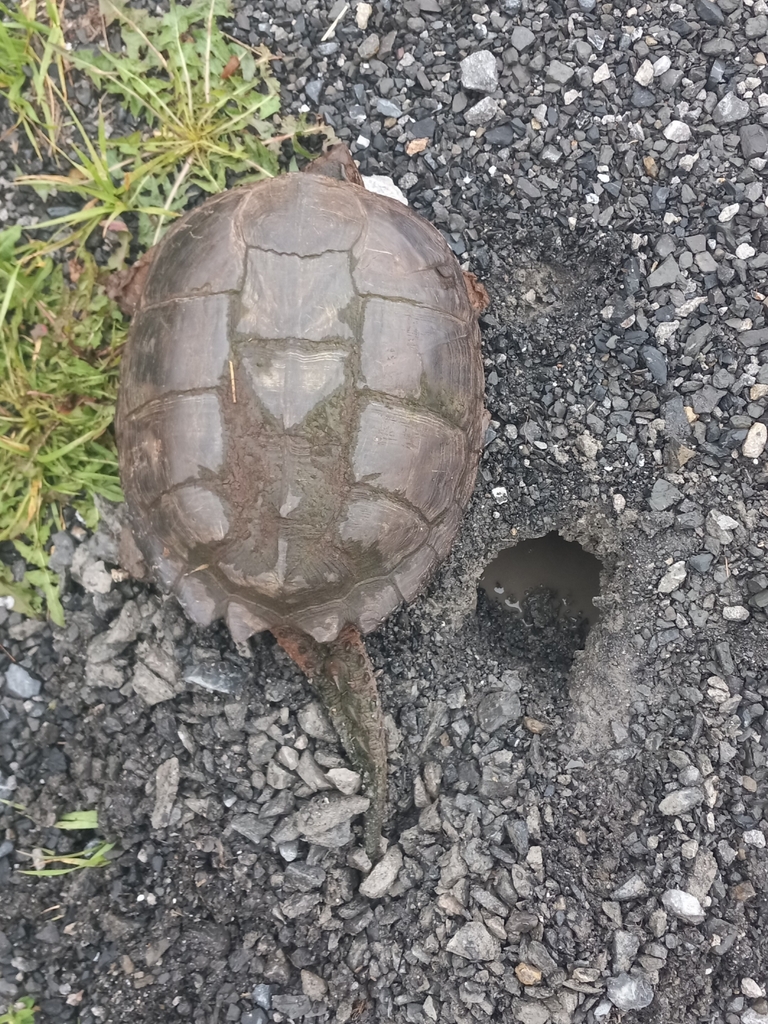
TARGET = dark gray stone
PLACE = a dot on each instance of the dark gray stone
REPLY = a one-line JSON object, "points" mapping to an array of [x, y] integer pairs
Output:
{"points": [[655, 363], [664, 495], [754, 339], [497, 710], [20, 684], [665, 275], [709, 12]]}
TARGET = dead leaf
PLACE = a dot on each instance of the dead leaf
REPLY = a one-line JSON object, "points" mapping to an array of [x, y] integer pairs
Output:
{"points": [[125, 286], [416, 146], [536, 726], [231, 66]]}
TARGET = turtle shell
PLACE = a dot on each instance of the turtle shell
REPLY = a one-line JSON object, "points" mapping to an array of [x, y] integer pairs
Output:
{"points": [[301, 407]]}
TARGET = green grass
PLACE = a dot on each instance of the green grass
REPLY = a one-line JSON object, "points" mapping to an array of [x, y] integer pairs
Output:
{"points": [[59, 349], [93, 856], [207, 110], [21, 1012], [32, 57]]}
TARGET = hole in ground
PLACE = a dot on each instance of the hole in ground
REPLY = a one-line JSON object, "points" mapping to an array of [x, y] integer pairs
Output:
{"points": [[539, 595]]}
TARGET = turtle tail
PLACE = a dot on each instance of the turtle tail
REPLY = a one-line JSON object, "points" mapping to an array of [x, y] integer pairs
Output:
{"points": [[342, 675]]}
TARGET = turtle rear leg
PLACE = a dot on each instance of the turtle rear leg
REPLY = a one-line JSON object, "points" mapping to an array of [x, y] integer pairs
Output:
{"points": [[342, 674]]}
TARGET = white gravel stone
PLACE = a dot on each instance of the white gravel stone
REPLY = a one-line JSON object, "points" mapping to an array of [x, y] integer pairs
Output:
{"points": [[721, 526], [363, 13], [632, 889], [522, 38], [662, 65], [315, 723], [277, 777], [383, 185], [312, 985], [288, 758], [323, 813], [384, 874], [735, 613], [90, 572], [344, 780], [730, 109], [672, 579], [728, 213], [559, 73], [744, 251], [478, 72], [644, 74], [754, 837], [150, 687], [683, 905], [751, 1016], [474, 942], [482, 112], [602, 74], [681, 800], [755, 441], [677, 131], [751, 989]]}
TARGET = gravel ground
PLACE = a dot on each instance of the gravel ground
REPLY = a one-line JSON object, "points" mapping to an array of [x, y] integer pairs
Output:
{"points": [[575, 835]]}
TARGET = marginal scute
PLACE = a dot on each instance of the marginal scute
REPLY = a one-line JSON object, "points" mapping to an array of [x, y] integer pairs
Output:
{"points": [[370, 602], [322, 622], [198, 599], [243, 622], [166, 565], [443, 532], [194, 514], [410, 574]]}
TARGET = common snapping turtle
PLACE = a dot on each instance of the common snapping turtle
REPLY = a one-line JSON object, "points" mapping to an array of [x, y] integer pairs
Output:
{"points": [[299, 423]]}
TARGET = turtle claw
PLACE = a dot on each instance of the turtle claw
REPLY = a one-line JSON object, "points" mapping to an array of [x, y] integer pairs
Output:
{"points": [[342, 675]]}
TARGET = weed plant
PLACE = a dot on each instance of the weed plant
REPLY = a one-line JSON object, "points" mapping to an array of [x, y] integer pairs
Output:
{"points": [[205, 112], [22, 1011]]}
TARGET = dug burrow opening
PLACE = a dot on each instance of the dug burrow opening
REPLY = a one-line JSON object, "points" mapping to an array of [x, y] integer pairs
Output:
{"points": [[536, 600]]}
